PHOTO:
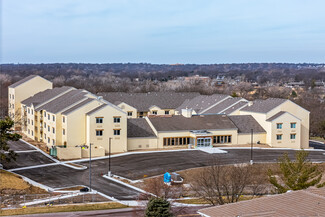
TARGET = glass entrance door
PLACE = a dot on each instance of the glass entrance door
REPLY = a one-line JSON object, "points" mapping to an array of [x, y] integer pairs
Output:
{"points": [[203, 142]]}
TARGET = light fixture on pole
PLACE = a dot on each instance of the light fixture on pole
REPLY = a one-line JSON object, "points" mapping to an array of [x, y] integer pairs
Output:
{"points": [[89, 166], [251, 161], [109, 159]]}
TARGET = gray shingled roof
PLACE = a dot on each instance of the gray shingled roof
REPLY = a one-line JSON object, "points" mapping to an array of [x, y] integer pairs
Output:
{"points": [[139, 127], [181, 123], [264, 106], [96, 109], [201, 102], [45, 95], [64, 101], [276, 116], [79, 105], [222, 106], [23, 80], [245, 123], [143, 101], [235, 107], [295, 203]]}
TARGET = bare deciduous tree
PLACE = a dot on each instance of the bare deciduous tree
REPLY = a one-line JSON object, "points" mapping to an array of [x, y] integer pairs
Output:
{"points": [[221, 184]]}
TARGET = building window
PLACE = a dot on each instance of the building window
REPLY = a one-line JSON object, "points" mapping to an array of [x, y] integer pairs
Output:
{"points": [[32, 133], [9, 96], [292, 136], [129, 113], [99, 132], [28, 110], [44, 136], [44, 124], [44, 114], [166, 112], [53, 142], [28, 131], [63, 119], [13, 96], [32, 122], [32, 111], [279, 126], [221, 139], [154, 112], [28, 121], [53, 117], [117, 132], [53, 130], [48, 116], [48, 128], [279, 137], [99, 120], [176, 141], [48, 140], [117, 119], [63, 131], [292, 125]]}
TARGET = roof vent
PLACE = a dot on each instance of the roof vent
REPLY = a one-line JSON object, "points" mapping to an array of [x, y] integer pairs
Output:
{"points": [[250, 103]]}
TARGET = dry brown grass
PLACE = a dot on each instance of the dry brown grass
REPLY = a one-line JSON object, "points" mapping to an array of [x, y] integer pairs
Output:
{"points": [[67, 208], [11, 183]]}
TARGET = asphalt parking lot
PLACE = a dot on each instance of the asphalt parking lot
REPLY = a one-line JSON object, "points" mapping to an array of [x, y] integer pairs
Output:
{"points": [[136, 166], [20, 146], [59, 176], [150, 164]]}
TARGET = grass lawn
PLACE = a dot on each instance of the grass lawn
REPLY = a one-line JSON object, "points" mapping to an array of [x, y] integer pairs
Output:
{"points": [[66, 208], [317, 139], [11, 183]]}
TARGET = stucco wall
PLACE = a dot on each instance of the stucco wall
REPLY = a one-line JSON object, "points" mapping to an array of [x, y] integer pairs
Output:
{"points": [[286, 142], [95, 152], [244, 139], [142, 143], [69, 153], [127, 108], [302, 114], [25, 90], [76, 124], [119, 142]]}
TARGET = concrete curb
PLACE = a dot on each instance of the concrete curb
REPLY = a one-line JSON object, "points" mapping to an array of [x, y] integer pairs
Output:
{"points": [[275, 149], [74, 167], [47, 155], [127, 185], [32, 167], [125, 154]]}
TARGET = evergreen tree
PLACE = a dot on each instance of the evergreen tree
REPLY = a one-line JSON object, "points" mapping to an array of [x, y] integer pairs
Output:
{"points": [[296, 175], [234, 94], [158, 207], [5, 136], [294, 94]]}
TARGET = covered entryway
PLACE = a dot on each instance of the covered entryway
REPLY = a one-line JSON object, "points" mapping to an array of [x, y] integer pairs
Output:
{"points": [[203, 142]]}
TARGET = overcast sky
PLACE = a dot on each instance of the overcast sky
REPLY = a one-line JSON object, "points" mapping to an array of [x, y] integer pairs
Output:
{"points": [[175, 31]]}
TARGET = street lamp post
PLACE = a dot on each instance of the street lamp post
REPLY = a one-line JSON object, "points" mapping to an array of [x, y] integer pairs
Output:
{"points": [[109, 159], [89, 166], [251, 161]]}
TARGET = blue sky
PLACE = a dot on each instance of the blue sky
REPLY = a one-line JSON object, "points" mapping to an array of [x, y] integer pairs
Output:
{"points": [[175, 31]]}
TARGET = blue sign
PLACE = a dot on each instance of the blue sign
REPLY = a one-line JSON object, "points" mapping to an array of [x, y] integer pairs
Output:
{"points": [[167, 177]]}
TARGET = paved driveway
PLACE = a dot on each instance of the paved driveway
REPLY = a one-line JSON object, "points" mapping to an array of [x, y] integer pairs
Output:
{"points": [[135, 166], [61, 176]]}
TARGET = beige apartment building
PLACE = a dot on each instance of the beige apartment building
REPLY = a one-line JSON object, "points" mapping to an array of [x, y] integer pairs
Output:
{"points": [[70, 120], [20, 91]]}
